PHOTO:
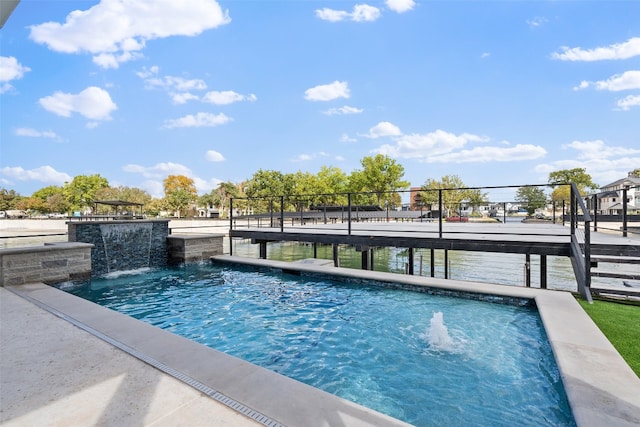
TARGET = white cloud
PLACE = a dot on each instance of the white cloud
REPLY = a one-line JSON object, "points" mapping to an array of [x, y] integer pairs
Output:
{"points": [[170, 83], [346, 138], [628, 102], [115, 31], [302, 158], [485, 55], [360, 13], [10, 69], [343, 110], [33, 133], [183, 98], [537, 22], [309, 157], [328, 92], [583, 85], [446, 147], [597, 150], [383, 129], [426, 146], [45, 174], [604, 163], [93, 103], [159, 170], [148, 72], [365, 13], [181, 89], [226, 97], [198, 120], [331, 15], [626, 81], [624, 50], [214, 156], [486, 154], [400, 6]]}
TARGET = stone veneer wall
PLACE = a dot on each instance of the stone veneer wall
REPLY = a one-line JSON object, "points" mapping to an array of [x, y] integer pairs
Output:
{"points": [[191, 248], [123, 245], [50, 263]]}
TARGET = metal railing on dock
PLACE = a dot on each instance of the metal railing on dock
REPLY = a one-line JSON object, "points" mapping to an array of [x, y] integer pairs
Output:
{"points": [[581, 242], [441, 206]]}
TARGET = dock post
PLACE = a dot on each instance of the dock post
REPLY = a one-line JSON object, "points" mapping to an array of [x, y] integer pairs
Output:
{"points": [[446, 263], [364, 256], [263, 250], [527, 270], [336, 260], [433, 263], [543, 272], [315, 249], [282, 214], [410, 272]]}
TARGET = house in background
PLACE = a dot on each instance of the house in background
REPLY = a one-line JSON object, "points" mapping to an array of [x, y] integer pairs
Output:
{"points": [[610, 196]]}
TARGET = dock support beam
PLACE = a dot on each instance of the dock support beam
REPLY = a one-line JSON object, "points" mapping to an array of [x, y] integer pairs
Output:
{"points": [[543, 272], [433, 262], [410, 269], [364, 256], [336, 259], [527, 270], [446, 263], [263, 250]]}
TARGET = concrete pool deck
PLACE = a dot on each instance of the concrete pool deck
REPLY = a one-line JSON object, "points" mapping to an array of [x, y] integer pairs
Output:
{"points": [[66, 361]]}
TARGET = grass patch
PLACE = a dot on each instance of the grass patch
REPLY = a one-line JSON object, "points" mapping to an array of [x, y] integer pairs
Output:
{"points": [[619, 323]]}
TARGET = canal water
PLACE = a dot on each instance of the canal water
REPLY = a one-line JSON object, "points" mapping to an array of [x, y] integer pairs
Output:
{"points": [[500, 268]]}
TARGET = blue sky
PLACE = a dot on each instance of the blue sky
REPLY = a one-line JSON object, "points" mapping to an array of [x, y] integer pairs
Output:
{"points": [[496, 92]]}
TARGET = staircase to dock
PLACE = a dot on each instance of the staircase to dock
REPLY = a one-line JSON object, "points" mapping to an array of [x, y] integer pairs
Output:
{"points": [[610, 265]]}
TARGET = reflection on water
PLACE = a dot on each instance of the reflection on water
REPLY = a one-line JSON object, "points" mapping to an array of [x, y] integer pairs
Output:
{"points": [[500, 268]]}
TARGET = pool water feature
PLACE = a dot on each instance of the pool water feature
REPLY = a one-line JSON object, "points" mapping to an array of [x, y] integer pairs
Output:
{"points": [[425, 359]]}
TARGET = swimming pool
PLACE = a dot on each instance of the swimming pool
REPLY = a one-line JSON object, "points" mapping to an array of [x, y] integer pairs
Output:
{"points": [[424, 359]]}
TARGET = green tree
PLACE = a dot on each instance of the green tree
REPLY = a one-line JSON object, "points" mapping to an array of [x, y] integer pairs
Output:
{"points": [[265, 187], [58, 203], [304, 190], [579, 176], [332, 185], [453, 193], [532, 197], [49, 200], [8, 199], [382, 176], [179, 192], [81, 191], [635, 173], [155, 206], [220, 197], [477, 198]]}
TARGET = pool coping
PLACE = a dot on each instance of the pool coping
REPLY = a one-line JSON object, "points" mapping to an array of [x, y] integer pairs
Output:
{"points": [[601, 388]]}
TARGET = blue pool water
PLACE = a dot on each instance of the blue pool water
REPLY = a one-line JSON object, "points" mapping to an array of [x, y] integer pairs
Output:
{"points": [[424, 359]]}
